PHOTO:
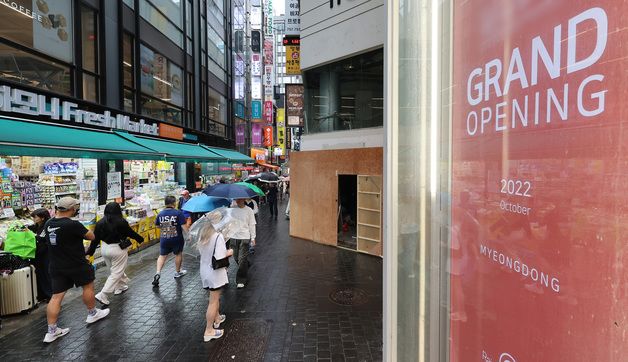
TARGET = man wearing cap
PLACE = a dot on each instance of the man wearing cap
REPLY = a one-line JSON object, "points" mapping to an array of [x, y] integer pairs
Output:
{"points": [[68, 265]]}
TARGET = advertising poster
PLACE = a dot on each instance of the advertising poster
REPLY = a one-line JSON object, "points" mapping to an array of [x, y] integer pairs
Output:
{"points": [[146, 77], [256, 17], [256, 87], [240, 131], [268, 51], [256, 134], [52, 28], [176, 79], [294, 105], [293, 60], [256, 64], [160, 74], [268, 17], [293, 17], [114, 185], [256, 109], [268, 112], [268, 136], [539, 221]]}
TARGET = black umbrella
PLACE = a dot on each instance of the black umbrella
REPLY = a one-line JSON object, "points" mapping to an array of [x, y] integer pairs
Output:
{"points": [[269, 177], [230, 191]]}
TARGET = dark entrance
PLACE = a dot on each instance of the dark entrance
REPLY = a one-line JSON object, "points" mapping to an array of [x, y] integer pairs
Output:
{"points": [[347, 211]]}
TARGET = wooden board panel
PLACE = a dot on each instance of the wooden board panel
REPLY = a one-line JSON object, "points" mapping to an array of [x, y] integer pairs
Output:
{"points": [[314, 188]]}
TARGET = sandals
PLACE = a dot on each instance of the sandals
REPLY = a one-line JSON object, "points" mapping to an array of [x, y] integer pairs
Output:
{"points": [[222, 318], [217, 334]]}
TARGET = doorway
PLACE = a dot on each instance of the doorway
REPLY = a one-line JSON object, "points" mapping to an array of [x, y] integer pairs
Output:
{"points": [[347, 211]]}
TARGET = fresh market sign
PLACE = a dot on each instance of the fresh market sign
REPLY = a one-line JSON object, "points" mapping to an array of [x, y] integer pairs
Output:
{"points": [[33, 104]]}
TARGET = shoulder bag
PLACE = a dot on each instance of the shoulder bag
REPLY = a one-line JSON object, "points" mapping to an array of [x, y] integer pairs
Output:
{"points": [[218, 263]]}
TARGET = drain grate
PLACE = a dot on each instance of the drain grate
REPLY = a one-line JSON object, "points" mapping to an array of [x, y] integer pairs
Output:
{"points": [[348, 296]]}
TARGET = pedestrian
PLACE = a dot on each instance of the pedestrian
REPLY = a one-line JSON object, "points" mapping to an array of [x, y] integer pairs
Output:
{"points": [[68, 265], [171, 222], [251, 203], [271, 196], [42, 259], [114, 231], [211, 245], [243, 237], [185, 197]]}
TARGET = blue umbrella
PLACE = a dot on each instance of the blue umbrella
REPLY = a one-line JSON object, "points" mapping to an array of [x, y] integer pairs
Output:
{"points": [[204, 203], [230, 191]]}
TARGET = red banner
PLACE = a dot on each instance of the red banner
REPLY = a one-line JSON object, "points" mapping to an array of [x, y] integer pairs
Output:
{"points": [[268, 136], [538, 270], [268, 111]]}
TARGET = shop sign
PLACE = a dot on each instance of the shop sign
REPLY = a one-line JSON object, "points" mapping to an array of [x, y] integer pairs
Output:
{"points": [[538, 234], [190, 137], [256, 134], [256, 87], [114, 185], [293, 17], [259, 155], [15, 100], [294, 104], [168, 131], [239, 109], [281, 129], [268, 51], [268, 17], [268, 79], [293, 60], [256, 109], [240, 131], [256, 17], [268, 112], [268, 136], [256, 64]]}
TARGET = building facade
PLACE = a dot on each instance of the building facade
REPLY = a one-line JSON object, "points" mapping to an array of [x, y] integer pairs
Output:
{"points": [[337, 175]]}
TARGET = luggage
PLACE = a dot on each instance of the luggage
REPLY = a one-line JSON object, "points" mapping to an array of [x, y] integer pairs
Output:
{"points": [[18, 291]]}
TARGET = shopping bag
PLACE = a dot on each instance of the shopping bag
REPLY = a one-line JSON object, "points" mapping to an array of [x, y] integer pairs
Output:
{"points": [[21, 242]]}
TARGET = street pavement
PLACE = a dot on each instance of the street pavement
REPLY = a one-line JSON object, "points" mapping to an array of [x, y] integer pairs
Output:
{"points": [[303, 302]]}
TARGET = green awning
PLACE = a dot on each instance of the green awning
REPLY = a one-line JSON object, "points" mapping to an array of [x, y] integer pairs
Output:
{"points": [[232, 155], [22, 138], [174, 151]]}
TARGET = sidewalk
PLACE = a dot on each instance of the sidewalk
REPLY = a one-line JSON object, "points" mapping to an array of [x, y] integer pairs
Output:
{"points": [[285, 313]]}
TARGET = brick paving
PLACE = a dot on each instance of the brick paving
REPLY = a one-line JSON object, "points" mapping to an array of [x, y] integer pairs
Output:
{"points": [[284, 314]]}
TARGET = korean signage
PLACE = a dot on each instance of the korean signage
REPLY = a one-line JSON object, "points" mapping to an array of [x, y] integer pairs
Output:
{"points": [[268, 51], [538, 244], [268, 17], [238, 87], [293, 17], [259, 154], [256, 64], [268, 112], [15, 100], [268, 136], [256, 134], [256, 17], [293, 60], [239, 109], [294, 105], [281, 130], [256, 109], [256, 87], [240, 134]]}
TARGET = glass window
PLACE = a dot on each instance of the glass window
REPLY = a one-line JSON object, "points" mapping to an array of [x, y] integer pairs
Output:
{"points": [[89, 39], [154, 108], [90, 87], [130, 3], [22, 67], [129, 100], [217, 106], [160, 78], [216, 49], [170, 26], [42, 25], [127, 60], [345, 95], [215, 11]]}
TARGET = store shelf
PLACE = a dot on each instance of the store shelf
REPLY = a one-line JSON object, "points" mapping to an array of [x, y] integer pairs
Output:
{"points": [[58, 174], [66, 193], [369, 192], [66, 184], [365, 238], [369, 225]]}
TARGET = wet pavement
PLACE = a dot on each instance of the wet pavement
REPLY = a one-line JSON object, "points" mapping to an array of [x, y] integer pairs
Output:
{"points": [[304, 302]]}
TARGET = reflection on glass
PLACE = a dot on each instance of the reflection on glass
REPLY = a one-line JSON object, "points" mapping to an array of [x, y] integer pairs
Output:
{"points": [[168, 19], [160, 77], [90, 88], [21, 67], [89, 39], [127, 60], [346, 95], [162, 111]]}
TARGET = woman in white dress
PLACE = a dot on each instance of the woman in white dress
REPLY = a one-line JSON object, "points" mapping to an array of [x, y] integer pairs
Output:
{"points": [[212, 243]]}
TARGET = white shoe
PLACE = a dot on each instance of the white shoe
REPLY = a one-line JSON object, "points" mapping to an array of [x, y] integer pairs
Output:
{"points": [[102, 298], [100, 314], [121, 290], [240, 285], [60, 332], [217, 334], [180, 273], [222, 319]]}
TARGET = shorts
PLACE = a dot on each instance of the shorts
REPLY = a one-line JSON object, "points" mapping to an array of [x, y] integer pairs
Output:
{"points": [[215, 289], [62, 280], [174, 248]]}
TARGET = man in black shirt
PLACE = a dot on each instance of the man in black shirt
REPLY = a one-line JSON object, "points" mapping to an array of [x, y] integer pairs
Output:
{"points": [[68, 265], [271, 197]]}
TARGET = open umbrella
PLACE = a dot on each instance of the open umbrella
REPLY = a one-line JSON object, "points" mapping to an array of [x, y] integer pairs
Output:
{"points": [[252, 187], [252, 178], [230, 191], [268, 177], [204, 203]]}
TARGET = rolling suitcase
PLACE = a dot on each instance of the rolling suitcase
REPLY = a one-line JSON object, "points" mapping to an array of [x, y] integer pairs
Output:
{"points": [[18, 291]]}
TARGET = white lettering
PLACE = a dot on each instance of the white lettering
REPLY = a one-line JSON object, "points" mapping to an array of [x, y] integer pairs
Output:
{"points": [[551, 65], [600, 96], [478, 87], [515, 61], [492, 79], [599, 16]]}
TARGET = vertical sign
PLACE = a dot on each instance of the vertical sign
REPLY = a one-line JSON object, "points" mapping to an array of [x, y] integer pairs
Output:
{"points": [[293, 17], [256, 110], [114, 185], [256, 88], [256, 17], [240, 131], [268, 136], [268, 51], [268, 112], [281, 130], [256, 64], [268, 17], [268, 83], [539, 222], [256, 134], [293, 60], [294, 105]]}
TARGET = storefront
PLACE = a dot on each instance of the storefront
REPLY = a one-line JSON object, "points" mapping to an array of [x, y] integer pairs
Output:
{"points": [[505, 193], [52, 147]]}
